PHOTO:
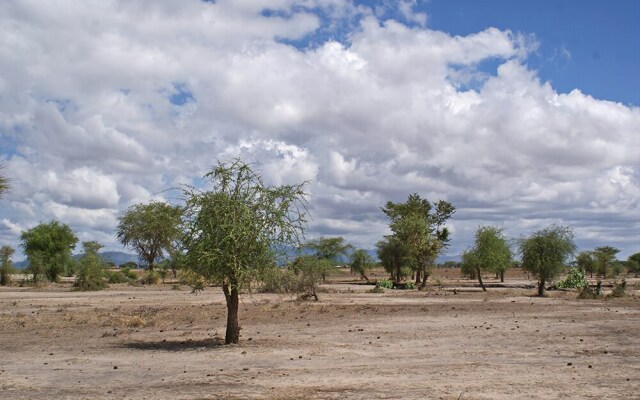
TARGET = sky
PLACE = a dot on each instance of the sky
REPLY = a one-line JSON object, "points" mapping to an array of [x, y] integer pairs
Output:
{"points": [[521, 114]]}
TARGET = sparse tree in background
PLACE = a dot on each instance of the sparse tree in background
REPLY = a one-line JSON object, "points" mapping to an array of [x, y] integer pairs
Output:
{"points": [[91, 268], [360, 263], [633, 263], [586, 262], [48, 248], [545, 253], [310, 272], [604, 257], [334, 249], [4, 183], [235, 230], [150, 229], [6, 266], [490, 252], [393, 255], [420, 226]]}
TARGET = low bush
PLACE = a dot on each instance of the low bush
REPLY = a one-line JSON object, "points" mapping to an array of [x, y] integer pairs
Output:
{"points": [[575, 279], [619, 289], [150, 278], [117, 277], [384, 284]]}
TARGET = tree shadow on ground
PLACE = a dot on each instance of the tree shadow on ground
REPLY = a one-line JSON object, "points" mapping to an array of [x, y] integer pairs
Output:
{"points": [[175, 345]]}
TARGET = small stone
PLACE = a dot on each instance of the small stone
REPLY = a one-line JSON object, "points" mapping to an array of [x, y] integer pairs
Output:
{"points": [[569, 364], [115, 367]]}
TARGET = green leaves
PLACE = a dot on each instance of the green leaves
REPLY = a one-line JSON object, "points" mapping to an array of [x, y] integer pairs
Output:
{"points": [[48, 248]]}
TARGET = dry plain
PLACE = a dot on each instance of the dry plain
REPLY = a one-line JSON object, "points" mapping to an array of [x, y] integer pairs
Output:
{"points": [[156, 342]]}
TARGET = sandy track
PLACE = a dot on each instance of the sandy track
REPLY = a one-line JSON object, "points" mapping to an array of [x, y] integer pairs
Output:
{"points": [[155, 343]]}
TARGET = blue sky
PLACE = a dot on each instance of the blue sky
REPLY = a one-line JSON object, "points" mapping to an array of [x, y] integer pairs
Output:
{"points": [[522, 114]]}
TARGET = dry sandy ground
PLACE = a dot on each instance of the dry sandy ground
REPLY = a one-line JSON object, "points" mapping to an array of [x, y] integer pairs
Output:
{"points": [[157, 343]]}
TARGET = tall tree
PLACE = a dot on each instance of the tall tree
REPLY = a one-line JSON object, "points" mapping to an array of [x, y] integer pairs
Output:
{"points": [[490, 252], [334, 249], [604, 257], [48, 248], [91, 270], [545, 252], [419, 224], [393, 255], [150, 229], [6, 266], [586, 262], [234, 230], [633, 263], [360, 263]]}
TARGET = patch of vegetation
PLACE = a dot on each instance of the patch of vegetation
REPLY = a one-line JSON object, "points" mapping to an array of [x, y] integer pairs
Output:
{"points": [[575, 279], [619, 289], [384, 284], [150, 278], [91, 272]]}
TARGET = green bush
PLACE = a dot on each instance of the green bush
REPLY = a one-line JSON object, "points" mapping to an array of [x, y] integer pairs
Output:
{"points": [[126, 271], [150, 278], [575, 279], [117, 277], [91, 275], [408, 285], [384, 284], [619, 289]]}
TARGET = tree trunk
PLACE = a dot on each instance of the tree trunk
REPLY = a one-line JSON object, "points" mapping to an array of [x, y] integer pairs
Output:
{"points": [[424, 280], [397, 265], [484, 289], [233, 328], [541, 287], [362, 275], [502, 276], [418, 280]]}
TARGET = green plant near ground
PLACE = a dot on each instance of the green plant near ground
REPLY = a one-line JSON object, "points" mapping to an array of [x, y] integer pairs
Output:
{"points": [[587, 292], [6, 266], [575, 279], [376, 289], [126, 271], [117, 277], [91, 272], [150, 278], [408, 285], [384, 284], [619, 289]]}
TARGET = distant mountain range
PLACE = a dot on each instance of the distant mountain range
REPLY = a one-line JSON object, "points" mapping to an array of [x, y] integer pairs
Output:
{"points": [[116, 257]]}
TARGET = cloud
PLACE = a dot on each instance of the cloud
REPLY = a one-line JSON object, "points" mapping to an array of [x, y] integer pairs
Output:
{"points": [[107, 104]]}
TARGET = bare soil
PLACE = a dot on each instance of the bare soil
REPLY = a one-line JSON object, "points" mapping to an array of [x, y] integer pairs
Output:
{"points": [[154, 342]]}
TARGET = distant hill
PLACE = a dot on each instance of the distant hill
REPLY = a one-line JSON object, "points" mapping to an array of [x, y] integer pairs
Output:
{"points": [[116, 257]]}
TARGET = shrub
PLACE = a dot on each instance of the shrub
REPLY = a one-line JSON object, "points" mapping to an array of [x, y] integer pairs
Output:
{"points": [[150, 278], [408, 285], [619, 289], [91, 275], [117, 277], [575, 279], [126, 271], [384, 284]]}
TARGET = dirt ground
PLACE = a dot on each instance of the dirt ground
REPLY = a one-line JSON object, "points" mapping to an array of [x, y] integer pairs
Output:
{"points": [[156, 342]]}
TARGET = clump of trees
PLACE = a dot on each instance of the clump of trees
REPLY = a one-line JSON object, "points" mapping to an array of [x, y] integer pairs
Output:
{"points": [[91, 273]]}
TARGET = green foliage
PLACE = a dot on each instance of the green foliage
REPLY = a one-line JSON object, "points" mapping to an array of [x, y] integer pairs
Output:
{"points": [[419, 226], [545, 253], [129, 264], [469, 263], [309, 273], [150, 278], [490, 252], [619, 289], [150, 229], [91, 270], [6, 266], [408, 285], [575, 279], [361, 262], [393, 255], [633, 264], [586, 262], [48, 248], [586, 292], [236, 230], [118, 277], [604, 258], [385, 284], [333, 249], [130, 275], [4, 183]]}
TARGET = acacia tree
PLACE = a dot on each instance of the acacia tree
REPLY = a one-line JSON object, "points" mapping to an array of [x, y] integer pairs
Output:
{"points": [[6, 266], [48, 248], [393, 255], [545, 252], [150, 229], [419, 224], [604, 257], [586, 262], [360, 263], [490, 252], [633, 263], [333, 249], [234, 231]]}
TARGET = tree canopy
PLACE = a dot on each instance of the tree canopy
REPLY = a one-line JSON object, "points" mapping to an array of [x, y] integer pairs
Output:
{"points": [[545, 252], [4, 183], [490, 252], [235, 229], [361, 262], [150, 229], [48, 248], [419, 225], [334, 249]]}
